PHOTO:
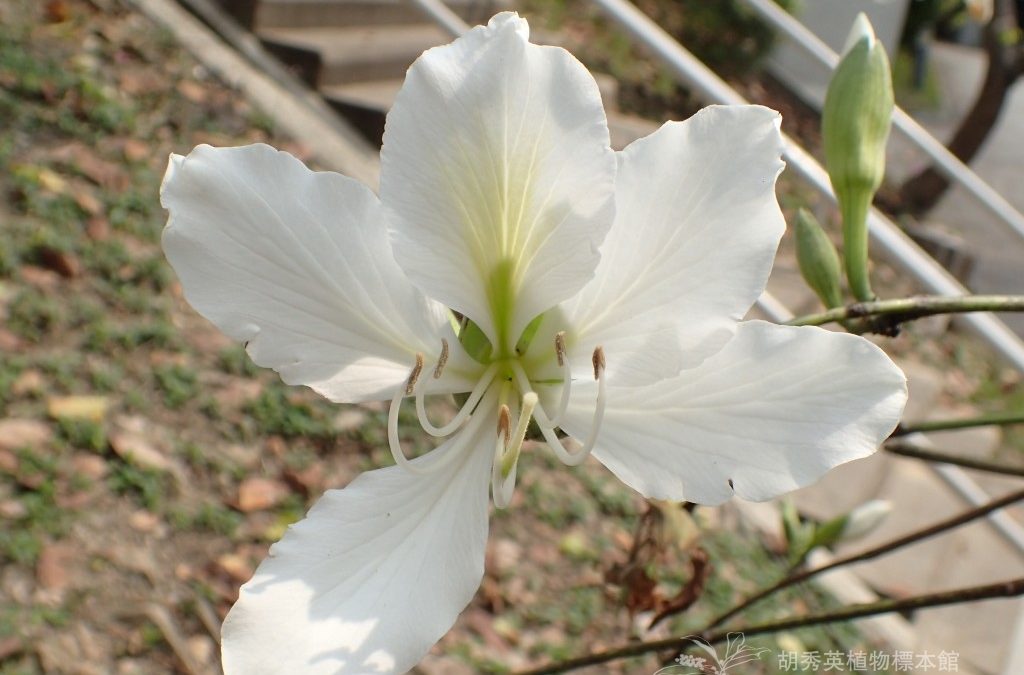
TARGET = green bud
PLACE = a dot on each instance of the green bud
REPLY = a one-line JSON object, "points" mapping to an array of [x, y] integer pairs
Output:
{"points": [[819, 262], [798, 533], [857, 523], [855, 125], [865, 519]]}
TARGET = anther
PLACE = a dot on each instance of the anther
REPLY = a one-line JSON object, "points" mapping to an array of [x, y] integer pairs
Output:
{"points": [[598, 360], [441, 360], [505, 423], [560, 347], [410, 384]]}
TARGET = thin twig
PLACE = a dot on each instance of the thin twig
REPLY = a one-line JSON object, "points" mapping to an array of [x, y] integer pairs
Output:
{"points": [[899, 310], [881, 549], [1004, 589], [908, 450], [993, 419]]}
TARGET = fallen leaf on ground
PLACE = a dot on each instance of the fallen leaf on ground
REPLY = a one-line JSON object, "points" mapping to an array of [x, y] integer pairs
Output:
{"points": [[38, 277], [52, 567], [29, 382], [138, 450], [235, 566], [63, 263], [78, 407], [17, 433], [256, 494]]}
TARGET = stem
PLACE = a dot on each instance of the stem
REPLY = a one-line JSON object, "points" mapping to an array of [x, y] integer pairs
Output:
{"points": [[882, 549], [855, 245], [1003, 589], [964, 423], [907, 450], [907, 309]]}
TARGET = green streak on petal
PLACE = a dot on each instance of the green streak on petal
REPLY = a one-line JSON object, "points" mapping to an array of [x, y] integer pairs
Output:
{"points": [[501, 294]]}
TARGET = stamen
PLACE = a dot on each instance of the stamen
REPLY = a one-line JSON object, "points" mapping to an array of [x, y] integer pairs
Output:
{"points": [[441, 360], [540, 415], [511, 455], [560, 347], [393, 441], [568, 457], [468, 407], [410, 384], [502, 488]]}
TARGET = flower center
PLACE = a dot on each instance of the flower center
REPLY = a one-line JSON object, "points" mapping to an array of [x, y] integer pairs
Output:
{"points": [[512, 390]]}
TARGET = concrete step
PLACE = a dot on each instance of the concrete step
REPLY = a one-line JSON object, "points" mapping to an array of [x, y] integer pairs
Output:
{"points": [[356, 54], [320, 13]]}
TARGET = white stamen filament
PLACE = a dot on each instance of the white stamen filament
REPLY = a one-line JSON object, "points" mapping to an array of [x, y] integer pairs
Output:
{"points": [[502, 489], [394, 443], [568, 457], [511, 456], [474, 397], [509, 444], [507, 450], [523, 380]]}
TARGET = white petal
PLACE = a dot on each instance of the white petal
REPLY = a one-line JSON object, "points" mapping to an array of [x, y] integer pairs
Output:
{"points": [[297, 264], [772, 411], [696, 228], [374, 575], [496, 160]]}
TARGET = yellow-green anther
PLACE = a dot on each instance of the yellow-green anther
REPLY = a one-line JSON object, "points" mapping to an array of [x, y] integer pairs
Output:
{"points": [[818, 260], [855, 126]]}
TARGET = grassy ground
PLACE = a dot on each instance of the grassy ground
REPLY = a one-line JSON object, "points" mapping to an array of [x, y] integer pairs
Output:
{"points": [[146, 466]]}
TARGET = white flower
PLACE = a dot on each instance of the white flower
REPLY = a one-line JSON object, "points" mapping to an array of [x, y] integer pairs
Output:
{"points": [[502, 200]]}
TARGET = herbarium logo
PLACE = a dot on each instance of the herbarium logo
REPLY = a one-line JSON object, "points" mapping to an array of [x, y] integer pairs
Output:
{"points": [[709, 662]]}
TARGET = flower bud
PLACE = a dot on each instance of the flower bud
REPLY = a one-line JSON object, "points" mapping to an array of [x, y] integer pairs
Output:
{"points": [[818, 260], [865, 518], [853, 525], [855, 126]]}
